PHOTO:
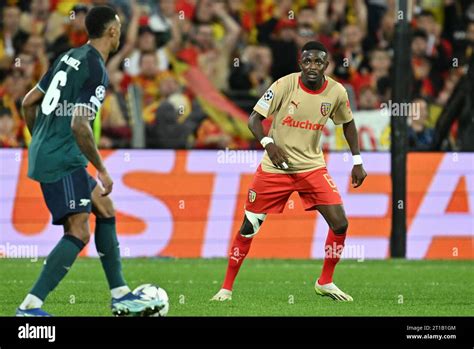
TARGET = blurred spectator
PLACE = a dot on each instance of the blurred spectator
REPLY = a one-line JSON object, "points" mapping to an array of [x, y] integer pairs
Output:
{"points": [[115, 119], [12, 91], [376, 9], [211, 56], [204, 11], [76, 29], [333, 16], [457, 26], [384, 35], [419, 43], [40, 20], [351, 56], [439, 50], [160, 20], [457, 116], [141, 39], [73, 31], [244, 17], [420, 137], [252, 73], [279, 33], [35, 21], [306, 28], [167, 25], [30, 67], [148, 79], [210, 136], [176, 119], [7, 129], [379, 68], [34, 48], [450, 83], [12, 37], [426, 81], [368, 98]]}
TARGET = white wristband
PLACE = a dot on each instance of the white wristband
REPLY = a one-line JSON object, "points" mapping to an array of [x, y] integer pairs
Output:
{"points": [[357, 159], [265, 141]]}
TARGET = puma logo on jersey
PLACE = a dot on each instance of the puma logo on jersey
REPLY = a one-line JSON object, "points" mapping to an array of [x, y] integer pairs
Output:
{"points": [[296, 104], [84, 202], [307, 125]]}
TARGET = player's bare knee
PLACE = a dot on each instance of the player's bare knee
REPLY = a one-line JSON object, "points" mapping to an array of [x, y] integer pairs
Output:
{"points": [[81, 234], [252, 223], [78, 226], [341, 227], [107, 212], [104, 209], [81, 231]]}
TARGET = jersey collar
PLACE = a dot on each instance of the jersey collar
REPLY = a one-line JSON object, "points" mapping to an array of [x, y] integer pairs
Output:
{"points": [[96, 52], [313, 92]]}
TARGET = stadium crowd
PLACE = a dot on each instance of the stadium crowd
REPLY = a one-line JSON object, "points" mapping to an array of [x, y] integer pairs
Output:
{"points": [[238, 48]]}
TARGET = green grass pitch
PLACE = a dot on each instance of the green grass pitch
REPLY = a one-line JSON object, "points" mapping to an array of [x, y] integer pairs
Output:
{"points": [[263, 287]]}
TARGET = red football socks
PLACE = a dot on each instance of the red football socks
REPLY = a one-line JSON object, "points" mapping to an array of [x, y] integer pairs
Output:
{"points": [[239, 250], [333, 250]]}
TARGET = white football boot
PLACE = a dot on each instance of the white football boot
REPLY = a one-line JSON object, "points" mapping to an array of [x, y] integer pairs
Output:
{"points": [[331, 290], [222, 295]]}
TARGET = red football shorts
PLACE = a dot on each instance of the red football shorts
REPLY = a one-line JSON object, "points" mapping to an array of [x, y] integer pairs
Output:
{"points": [[269, 192]]}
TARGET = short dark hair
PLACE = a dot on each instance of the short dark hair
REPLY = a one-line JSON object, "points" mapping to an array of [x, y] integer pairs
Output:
{"points": [[97, 20], [314, 45], [420, 33]]}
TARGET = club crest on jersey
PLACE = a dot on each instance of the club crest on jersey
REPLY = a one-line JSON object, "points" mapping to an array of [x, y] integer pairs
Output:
{"points": [[325, 108], [252, 195]]}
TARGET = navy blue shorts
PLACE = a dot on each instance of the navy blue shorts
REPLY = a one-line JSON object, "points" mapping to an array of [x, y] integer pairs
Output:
{"points": [[69, 195]]}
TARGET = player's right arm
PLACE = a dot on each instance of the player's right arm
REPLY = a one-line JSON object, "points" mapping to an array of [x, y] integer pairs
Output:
{"points": [[266, 106], [35, 96], [87, 105], [275, 153], [82, 131], [29, 104]]}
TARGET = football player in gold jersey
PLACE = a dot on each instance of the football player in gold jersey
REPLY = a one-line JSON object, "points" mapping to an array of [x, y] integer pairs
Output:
{"points": [[300, 103]]}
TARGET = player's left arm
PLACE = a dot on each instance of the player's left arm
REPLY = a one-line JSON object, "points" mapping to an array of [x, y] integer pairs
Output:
{"points": [[343, 115], [29, 105], [358, 172]]}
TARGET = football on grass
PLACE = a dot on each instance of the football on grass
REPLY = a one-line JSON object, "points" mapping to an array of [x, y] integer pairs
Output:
{"points": [[149, 292]]}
